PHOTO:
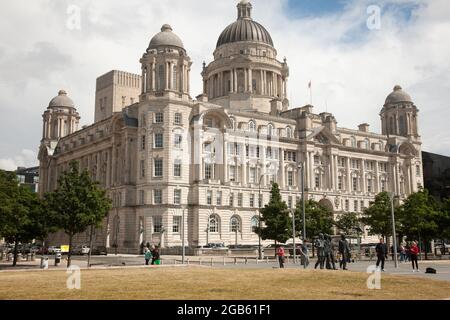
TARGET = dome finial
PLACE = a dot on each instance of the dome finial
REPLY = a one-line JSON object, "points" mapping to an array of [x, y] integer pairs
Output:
{"points": [[166, 27], [397, 88], [244, 9], [62, 92]]}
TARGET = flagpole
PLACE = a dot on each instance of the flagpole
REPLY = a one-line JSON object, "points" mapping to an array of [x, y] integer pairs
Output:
{"points": [[310, 93]]}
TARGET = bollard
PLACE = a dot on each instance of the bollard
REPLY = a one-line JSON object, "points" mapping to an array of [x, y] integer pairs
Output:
{"points": [[187, 261], [224, 261], [44, 263], [175, 262], [257, 260], [29, 257], [267, 259], [246, 261], [235, 260], [212, 262], [33, 257]]}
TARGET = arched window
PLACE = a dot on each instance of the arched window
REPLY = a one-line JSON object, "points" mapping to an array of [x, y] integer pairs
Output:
{"points": [[161, 78], [353, 142], [251, 126], [367, 144], [270, 130], [235, 224], [174, 78], [254, 223], [289, 132], [214, 224]]}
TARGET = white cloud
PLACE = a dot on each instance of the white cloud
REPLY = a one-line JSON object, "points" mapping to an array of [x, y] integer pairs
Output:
{"points": [[27, 158], [352, 68]]}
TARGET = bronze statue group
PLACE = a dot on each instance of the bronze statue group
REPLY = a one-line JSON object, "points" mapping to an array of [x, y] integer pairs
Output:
{"points": [[326, 252]]}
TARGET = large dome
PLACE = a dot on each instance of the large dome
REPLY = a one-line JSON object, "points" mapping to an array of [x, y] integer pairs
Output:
{"points": [[398, 96], [245, 29], [62, 100], [166, 38]]}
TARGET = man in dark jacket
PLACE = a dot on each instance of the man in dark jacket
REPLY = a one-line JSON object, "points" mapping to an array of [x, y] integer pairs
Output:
{"points": [[382, 253], [344, 251]]}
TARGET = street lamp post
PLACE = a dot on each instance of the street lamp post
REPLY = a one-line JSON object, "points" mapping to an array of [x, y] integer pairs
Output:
{"points": [[301, 166], [394, 236]]}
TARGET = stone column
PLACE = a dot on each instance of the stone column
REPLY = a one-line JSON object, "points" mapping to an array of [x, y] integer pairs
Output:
{"points": [[245, 80], [154, 75], [188, 80], [250, 80], [262, 82], [231, 80], [349, 176], [311, 172], [225, 158], [235, 80]]}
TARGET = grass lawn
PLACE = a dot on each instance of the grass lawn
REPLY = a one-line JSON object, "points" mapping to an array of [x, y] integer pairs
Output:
{"points": [[196, 283]]}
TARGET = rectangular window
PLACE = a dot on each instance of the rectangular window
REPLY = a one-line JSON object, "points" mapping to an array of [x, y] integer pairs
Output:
{"points": [[369, 185], [159, 140], [208, 171], [252, 201], [157, 224], [316, 160], [177, 196], [219, 198], [258, 152], [418, 171], [290, 202], [290, 178], [383, 185], [240, 200], [143, 142], [347, 205], [176, 226], [231, 200], [362, 205], [269, 153], [232, 173], [178, 118], [209, 197], [340, 184], [142, 168], [341, 162], [317, 180], [158, 167], [237, 148], [141, 197], [355, 204], [159, 117], [178, 139], [355, 183], [177, 169], [252, 175], [157, 196]]}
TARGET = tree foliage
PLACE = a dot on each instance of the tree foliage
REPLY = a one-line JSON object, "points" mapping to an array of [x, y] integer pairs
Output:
{"points": [[22, 217], [379, 216], [275, 216], [78, 203], [349, 223], [319, 219]]}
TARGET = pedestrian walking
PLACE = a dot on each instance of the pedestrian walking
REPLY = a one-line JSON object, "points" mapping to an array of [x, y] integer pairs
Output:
{"points": [[382, 253], [281, 256], [156, 260], [414, 251], [147, 256], [402, 253]]}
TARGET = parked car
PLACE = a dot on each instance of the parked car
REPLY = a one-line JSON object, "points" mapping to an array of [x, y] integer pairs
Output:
{"points": [[99, 251], [80, 250], [53, 250]]}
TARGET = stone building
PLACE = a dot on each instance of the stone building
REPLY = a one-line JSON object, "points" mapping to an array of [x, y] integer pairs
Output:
{"points": [[163, 155]]}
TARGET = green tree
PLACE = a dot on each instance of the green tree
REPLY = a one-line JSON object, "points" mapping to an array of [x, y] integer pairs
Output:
{"points": [[275, 216], [349, 222], [21, 213], [444, 223], [379, 216], [420, 217], [319, 219], [78, 203]]}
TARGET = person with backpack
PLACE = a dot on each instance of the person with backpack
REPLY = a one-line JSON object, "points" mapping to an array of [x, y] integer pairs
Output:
{"points": [[414, 252]]}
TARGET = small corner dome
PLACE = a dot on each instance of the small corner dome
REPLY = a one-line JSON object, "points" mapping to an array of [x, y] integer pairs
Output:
{"points": [[61, 100], [166, 38], [398, 96]]}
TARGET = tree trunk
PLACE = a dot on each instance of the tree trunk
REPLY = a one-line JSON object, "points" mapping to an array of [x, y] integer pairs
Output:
{"points": [[16, 244], [69, 257]]}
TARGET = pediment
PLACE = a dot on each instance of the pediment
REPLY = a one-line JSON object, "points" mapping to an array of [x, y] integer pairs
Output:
{"points": [[323, 136]]}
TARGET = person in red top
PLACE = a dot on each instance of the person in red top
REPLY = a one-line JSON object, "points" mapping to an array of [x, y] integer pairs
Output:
{"points": [[281, 256], [414, 251]]}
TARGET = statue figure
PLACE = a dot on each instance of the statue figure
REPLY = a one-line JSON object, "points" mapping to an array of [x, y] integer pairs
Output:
{"points": [[319, 244], [329, 253], [344, 250]]}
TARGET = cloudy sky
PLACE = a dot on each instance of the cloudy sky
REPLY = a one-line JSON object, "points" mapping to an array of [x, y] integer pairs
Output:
{"points": [[352, 61]]}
